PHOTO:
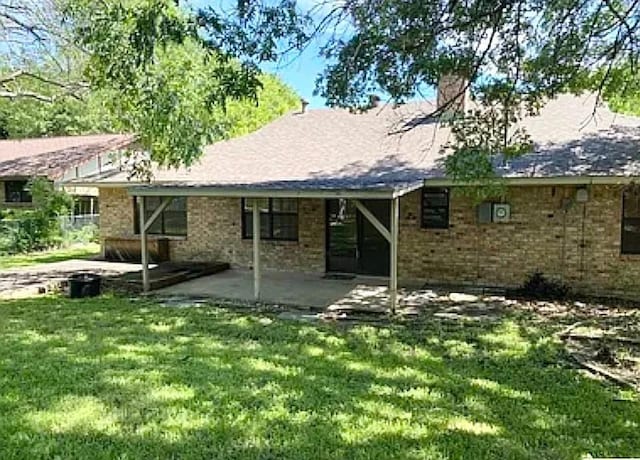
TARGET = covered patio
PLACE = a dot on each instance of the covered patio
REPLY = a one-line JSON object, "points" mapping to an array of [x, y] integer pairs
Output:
{"points": [[317, 292]]}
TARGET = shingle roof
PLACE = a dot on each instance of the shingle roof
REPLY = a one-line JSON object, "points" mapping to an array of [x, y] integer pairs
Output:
{"points": [[52, 156], [395, 147]]}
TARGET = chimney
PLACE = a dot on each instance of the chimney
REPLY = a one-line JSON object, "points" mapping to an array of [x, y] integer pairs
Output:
{"points": [[452, 94], [304, 104]]}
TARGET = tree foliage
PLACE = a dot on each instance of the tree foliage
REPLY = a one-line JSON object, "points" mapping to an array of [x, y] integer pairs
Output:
{"points": [[516, 54], [137, 66]]}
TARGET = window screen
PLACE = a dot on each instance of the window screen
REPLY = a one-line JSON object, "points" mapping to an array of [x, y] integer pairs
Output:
{"points": [[16, 191], [435, 207], [630, 223], [278, 218], [172, 221]]}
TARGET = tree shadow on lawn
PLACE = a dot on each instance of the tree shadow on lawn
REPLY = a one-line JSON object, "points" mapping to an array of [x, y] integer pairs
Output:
{"points": [[107, 378]]}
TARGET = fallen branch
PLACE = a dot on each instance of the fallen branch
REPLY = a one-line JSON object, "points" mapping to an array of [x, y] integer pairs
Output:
{"points": [[605, 373], [566, 332], [612, 338]]}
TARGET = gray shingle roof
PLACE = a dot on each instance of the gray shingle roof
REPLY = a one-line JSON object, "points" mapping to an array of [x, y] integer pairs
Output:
{"points": [[395, 147], [52, 156]]}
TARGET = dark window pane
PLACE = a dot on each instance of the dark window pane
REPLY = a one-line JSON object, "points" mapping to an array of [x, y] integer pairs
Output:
{"points": [[435, 208], [175, 223], [156, 227], [16, 192], [630, 243], [247, 225], [289, 205], [171, 221], [285, 226], [274, 225]]}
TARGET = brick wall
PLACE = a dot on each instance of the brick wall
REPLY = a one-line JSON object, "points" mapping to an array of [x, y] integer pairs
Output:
{"points": [[214, 233], [548, 231]]}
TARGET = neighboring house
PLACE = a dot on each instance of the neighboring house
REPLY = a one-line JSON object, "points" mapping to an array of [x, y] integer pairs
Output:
{"points": [[58, 159], [328, 184]]}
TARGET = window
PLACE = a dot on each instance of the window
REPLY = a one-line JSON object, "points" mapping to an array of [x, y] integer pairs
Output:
{"points": [[16, 191], [278, 218], [630, 223], [435, 208], [172, 221]]}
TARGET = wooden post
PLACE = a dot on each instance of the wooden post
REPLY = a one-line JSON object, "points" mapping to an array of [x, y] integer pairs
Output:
{"points": [[146, 285], [256, 249], [393, 275]]}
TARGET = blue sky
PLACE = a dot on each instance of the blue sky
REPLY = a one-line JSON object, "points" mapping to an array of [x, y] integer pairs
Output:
{"points": [[300, 71]]}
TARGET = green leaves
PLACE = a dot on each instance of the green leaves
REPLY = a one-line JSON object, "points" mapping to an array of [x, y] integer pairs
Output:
{"points": [[482, 139]]}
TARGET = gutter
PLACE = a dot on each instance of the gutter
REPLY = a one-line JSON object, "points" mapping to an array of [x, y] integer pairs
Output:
{"points": [[563, 180], [257, 193]]}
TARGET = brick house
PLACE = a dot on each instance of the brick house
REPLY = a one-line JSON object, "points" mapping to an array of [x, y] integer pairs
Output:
{"points": [[58, 159], [366, 193]]}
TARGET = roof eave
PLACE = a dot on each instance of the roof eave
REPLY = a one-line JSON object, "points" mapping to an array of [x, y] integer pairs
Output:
{"points": [[248, 192], [556, 180]]}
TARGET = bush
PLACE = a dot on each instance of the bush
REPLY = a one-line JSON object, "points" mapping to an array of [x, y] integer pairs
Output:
{"points": [[539, 287], [25, 230], [86, 234]]}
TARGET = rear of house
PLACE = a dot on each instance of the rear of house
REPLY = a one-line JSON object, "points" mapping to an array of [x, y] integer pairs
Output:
{"points": [[367, 194], [592, 244]]}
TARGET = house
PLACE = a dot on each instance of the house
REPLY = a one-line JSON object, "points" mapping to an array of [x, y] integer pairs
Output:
{"points": [[58, 159], [366, 193]]}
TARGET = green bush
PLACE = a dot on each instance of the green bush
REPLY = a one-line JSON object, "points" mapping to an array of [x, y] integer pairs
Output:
{"points": [[38, 228]]}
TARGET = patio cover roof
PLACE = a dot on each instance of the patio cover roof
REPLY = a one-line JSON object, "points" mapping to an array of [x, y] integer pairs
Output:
{"points": [[389, 151]]}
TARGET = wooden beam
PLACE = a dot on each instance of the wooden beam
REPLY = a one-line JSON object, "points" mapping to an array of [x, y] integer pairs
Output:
{"points": [[256, 249], [144, 253], [393, 243], [373, 219], [165, 202]]}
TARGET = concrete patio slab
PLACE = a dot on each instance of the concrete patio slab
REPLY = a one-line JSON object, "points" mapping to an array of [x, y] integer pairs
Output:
{"points": [[287, 288]]}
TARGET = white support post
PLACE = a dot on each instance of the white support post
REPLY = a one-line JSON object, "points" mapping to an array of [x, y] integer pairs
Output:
{"points": [[146, 285], [256, 249], [393, 243]]}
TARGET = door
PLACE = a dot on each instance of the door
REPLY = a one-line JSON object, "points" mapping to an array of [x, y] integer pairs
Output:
{"points": [[373, 248], [354, 245], [342, 236]]}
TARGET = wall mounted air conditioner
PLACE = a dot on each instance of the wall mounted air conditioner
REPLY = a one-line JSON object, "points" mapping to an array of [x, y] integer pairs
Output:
{"points": [[501, 212]]}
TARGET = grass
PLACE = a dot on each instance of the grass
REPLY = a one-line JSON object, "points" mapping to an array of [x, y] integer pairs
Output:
{"points": [[112, 378], [54, 255]]}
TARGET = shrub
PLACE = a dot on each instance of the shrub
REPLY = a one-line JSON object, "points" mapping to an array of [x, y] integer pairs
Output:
{"points": [[38, 228], [539, 287]]}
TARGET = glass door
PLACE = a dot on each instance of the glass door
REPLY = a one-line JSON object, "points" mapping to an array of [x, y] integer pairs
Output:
{"points": [[342, 236]]}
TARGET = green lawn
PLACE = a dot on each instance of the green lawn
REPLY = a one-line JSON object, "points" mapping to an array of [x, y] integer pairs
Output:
{"points": [[113, 378], [54, 255]]}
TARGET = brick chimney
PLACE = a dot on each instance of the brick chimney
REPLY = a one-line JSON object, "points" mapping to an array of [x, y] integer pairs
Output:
{"points": [[452, 94]]}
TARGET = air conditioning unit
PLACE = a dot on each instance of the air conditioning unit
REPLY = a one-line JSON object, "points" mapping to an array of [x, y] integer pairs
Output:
{"points": [[501, 212]]}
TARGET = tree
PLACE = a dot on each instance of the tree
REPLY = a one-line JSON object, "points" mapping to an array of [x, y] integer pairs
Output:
{"points": [[515, 53], [129, 65]]}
